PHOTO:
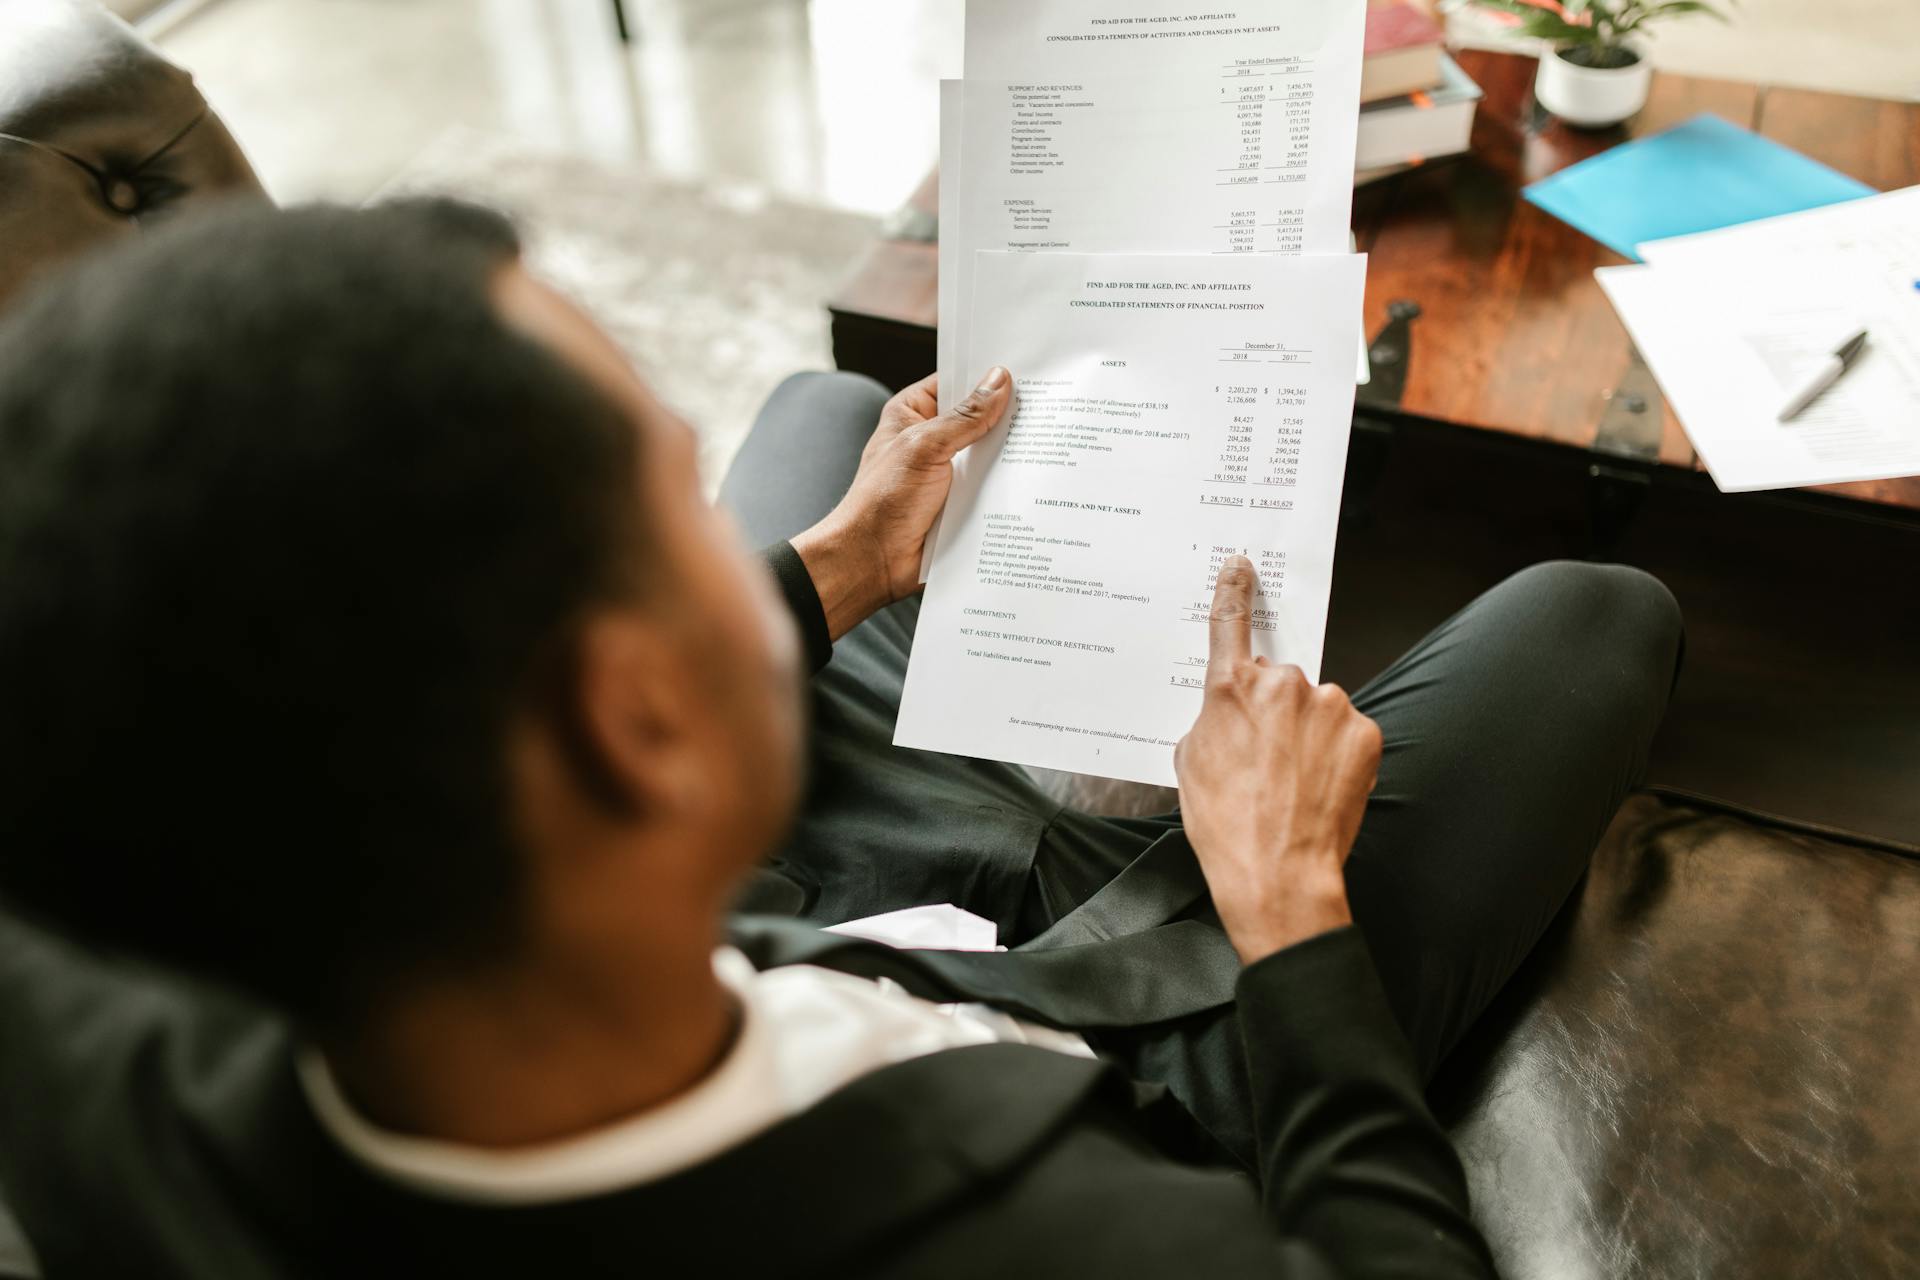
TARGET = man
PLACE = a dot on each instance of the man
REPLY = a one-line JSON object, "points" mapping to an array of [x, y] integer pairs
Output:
{"points": [[367, 649]]}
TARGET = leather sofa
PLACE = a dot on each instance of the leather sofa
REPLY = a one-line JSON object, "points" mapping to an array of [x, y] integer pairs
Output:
{"points": [[1710, 1068], [99, 134], [1712, 1065]]}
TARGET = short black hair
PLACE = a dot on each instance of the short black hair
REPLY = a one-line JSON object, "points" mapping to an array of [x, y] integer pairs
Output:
{"points": [[291, 523]]}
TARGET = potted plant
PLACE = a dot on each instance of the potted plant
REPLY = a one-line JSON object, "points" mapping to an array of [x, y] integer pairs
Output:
{"points": [[1594, 73]]}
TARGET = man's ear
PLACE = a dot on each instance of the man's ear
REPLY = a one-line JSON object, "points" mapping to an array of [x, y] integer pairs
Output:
{"points": [[632, 714]]}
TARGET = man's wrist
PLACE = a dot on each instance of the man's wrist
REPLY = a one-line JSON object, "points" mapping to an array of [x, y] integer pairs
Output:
{"points": [[1260, 924], [848, 575]]}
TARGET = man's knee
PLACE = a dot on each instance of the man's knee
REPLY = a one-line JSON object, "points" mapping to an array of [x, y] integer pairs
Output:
{"points": [[1624, 617], [802, 453], [815, 393]]}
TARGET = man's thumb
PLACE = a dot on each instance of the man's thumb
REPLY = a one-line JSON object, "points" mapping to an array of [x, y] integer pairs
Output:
{"points": [[972, 418]]}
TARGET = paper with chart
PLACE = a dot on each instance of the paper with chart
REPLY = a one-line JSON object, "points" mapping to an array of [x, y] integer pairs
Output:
{"points": [[1879, 232], [1170, 411], [1731, 341], [1157, 128], [1732, 321]]}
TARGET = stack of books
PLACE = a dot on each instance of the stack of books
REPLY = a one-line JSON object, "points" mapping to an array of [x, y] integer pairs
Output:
{"points": [[1416, 102]]}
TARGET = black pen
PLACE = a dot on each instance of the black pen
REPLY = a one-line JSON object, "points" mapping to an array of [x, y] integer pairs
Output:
{"points": [[1829, 373]]}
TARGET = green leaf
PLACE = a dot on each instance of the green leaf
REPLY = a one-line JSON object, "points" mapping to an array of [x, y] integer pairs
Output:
{"points": [[1542, 24], [1547, 26], [1674, 8]]}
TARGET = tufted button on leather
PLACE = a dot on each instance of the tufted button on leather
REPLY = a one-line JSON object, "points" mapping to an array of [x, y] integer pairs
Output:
{"points": [[74, 73], [122, 196]]}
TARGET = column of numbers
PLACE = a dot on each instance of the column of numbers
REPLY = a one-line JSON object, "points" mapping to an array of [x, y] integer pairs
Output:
{"points": [[1239, 418], [1244, 99], [1277, 472]]}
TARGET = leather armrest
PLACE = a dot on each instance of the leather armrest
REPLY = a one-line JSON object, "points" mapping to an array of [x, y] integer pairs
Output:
{"points": [[98, 133]]}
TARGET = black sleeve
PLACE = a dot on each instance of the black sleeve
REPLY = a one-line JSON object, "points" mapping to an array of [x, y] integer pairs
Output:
{"points": [[1352, 1163], [796, 586]]}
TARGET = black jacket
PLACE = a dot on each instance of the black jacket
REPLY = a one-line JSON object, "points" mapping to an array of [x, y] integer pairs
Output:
{"points": [[151, 1127]]}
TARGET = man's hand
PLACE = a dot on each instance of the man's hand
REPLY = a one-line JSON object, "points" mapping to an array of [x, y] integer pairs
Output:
{"points": [[1274, 778], [866, 553]]}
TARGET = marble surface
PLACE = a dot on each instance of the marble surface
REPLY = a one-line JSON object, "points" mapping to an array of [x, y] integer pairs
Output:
{"points": [[713, 288], [834, 102]]}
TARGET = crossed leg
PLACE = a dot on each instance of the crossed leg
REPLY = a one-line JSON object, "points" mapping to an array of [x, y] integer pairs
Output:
{"points": [[1512, 733]]}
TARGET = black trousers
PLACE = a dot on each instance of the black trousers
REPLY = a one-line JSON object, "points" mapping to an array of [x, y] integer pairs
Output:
{"points": [[1512, 734]]}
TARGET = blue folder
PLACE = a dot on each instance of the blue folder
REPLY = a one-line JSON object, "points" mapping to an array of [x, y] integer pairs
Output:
{"points": [[1698, 176]]}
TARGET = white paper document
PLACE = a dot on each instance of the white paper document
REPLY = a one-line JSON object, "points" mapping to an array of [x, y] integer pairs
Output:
{"points": [[1169, 412], [1875, 233], [1021, 39], [1162, 165], [1164, 129], [1731, 340], [940, 926]]}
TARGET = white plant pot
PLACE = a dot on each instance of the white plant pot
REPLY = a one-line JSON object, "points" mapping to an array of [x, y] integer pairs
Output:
{"points": [[1591, 97]]}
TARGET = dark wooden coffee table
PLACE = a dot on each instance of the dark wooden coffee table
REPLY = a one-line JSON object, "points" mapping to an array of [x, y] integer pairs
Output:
{"points": [[1513, 336]]}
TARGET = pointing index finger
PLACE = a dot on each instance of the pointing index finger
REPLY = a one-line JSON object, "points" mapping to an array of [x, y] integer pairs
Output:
{"points": [[1230, 625]]}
